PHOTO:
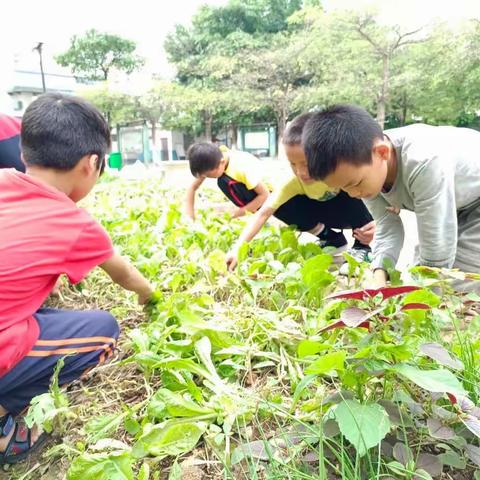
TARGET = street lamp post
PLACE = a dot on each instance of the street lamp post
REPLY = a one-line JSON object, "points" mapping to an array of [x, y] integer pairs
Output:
{"points": [[38, 48]]}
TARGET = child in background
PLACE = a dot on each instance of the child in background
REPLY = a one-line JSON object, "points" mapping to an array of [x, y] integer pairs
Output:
{"points": [[311, 206]]}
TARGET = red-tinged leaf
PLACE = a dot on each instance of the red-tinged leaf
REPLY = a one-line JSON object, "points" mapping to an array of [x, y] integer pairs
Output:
{"points": [[340, 324], [452, 398], [312, 457], [402, 454], [473, 453], [465, 404], [472, 423], [356, 317], [353, 294], [416, 306], [437, 429], [333, 326], [441, 355], [430, 463], [353, 316], [386, 292]]}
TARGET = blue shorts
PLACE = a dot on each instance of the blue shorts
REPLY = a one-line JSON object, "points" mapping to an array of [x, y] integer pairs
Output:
{"points": [[83, 338]]}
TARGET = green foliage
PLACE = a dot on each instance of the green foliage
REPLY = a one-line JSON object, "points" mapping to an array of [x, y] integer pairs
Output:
{"points": [[274, 349], [101, 466], [364, 426], [173, 438], [49, 408], [117, 107], [95, 54]]}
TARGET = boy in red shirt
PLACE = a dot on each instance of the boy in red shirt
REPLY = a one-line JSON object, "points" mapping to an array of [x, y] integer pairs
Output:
{"points": [[44, 234]]}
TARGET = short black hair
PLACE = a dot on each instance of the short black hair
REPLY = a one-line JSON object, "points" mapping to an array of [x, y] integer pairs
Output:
{"points": [[203, 157], [59, 130], [294, 131], [344, 133]]}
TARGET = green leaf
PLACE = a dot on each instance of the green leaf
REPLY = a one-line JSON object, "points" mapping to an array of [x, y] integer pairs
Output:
{"points": [[364, 426], [144, 472], [422, 296], [243, 252], [132, 426], [304, 383], [42, 411], [175, 472], [441, 380], [453, 459], [46, 407], [289, 239], [203, 349], [172, 438], [101, 466], [216, 261], [101, 427], [175, 404], [310, 347], [327, 364], [352, 263], [315, 273]]}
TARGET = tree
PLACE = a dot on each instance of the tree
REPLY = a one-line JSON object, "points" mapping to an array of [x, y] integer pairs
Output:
{"points": [[275, 77], [224, 58], [353, 57], [117, 107], [94, 55], [385, 43]]}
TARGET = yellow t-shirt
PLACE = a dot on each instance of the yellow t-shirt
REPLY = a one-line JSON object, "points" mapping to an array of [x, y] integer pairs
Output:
{"points": [[293, 186], [243, 167]]}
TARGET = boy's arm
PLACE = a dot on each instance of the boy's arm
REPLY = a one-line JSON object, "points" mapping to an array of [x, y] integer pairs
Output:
{"points": [[128, 277], [433, 193], [190, 198], [249, 232], [255, 204], [389, 234]]}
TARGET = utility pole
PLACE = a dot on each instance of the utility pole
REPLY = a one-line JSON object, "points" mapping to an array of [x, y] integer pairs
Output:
{"points": [[38, 48]]}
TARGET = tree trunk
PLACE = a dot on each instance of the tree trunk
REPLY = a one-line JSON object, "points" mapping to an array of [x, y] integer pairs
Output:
{"points": [[404, 108], [208, 119], [154, 133], [282, 116], [232, 136], [382, 100]]}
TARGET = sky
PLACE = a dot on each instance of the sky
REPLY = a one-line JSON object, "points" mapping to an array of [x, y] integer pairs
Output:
{"points": [[54, 22], [413, 13], [147, 22]]}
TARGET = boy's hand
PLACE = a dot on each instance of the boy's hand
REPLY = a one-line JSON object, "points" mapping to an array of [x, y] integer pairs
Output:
{"points": [[232, 260], [143, 299], [365, 234], [128, 277], [237, 212]]}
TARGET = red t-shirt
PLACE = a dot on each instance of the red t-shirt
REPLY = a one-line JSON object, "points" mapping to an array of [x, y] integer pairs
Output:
{"points": [[42, 235]]}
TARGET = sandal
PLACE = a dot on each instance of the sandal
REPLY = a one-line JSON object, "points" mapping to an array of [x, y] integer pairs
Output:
{"points": [[20, 444]]}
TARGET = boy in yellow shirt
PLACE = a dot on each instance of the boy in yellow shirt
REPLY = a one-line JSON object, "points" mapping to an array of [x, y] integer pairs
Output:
{"points": [[311, 205], [238, 176]]}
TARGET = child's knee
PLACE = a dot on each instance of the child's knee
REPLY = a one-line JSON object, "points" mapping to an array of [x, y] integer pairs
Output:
{"points": [[108, 324]]}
